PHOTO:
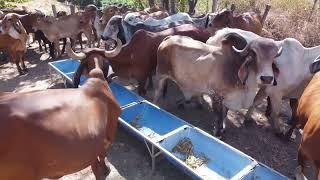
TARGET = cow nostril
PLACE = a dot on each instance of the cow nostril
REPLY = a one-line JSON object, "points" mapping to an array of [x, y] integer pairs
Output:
{"points": [[100, 21], [266, 79]]}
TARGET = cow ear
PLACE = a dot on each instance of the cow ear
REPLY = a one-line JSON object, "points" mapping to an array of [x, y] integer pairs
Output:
{"points": [[243, 71]]}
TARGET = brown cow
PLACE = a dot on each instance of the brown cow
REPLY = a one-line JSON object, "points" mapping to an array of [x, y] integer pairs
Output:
{"points": [[51, 133], [308, 114], [249, 21], [13, 38], [140, 64]]}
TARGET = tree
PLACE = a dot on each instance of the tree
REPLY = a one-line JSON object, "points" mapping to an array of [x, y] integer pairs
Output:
{"points": [[151, 3], [192, 6], [165, 4], [214, 5], [173, 6]]}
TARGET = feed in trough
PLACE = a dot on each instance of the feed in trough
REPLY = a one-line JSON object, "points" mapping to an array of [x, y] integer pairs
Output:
{"points": [[135, 124], [185, 147]]}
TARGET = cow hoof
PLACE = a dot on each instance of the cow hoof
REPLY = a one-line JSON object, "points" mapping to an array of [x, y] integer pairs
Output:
{"points": [[181, 106]]}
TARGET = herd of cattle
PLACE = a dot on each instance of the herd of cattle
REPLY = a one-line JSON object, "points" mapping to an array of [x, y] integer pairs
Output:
{"points": [[51, 133]]}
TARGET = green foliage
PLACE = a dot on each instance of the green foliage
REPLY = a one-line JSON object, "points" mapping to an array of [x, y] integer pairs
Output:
{"points": [[132, 3], [83, 3], [10, 3]]}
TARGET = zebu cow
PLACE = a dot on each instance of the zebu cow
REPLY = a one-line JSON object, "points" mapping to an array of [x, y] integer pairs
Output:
{"points": [[135, 17], [117, 27], [230, 76], [134, 20], [140, 65], [198, 21], [51, 133]]}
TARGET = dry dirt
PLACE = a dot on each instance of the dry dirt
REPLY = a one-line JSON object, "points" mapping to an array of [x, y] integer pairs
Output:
{"points": [[129, 157]]}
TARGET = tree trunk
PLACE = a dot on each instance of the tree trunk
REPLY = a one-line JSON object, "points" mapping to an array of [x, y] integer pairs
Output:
{"points": [[151, 3], [173, 6], [313, 7], [165, 5], [192, 6], [214, 5]]}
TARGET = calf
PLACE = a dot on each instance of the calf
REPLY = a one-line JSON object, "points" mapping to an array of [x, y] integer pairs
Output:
{"points": [[67, 129], [13, 38], [65, 27], [230, 76], [308, 115], [132, 62]]}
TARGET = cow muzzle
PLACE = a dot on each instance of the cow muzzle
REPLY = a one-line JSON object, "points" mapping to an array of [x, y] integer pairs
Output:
{"points": [[266, 79]]}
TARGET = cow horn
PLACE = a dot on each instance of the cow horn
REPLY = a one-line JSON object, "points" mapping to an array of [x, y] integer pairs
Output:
{"points": [[73, 54], [279, 52], [114, 52], [242, 52]]}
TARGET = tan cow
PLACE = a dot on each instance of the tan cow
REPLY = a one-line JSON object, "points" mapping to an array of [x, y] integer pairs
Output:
{"points": [[51, 133], [230, 76], [66, 27]]}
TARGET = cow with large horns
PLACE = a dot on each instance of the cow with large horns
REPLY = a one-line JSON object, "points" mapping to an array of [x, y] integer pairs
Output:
{"points": [[230, 71]]}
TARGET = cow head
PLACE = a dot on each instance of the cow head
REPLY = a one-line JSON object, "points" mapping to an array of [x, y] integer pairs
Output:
{"points": [[108, 13], [258, 57], [114, 31], [10, 24], [220, 20], [91, 58], [133, 19]]}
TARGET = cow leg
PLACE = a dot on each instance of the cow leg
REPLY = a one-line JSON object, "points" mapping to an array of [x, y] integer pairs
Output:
{"points": [[299, 170], [269, 108], [275, 101], [80, 40], [19, 68], [221, 110], [64, 45], [159, 89], [141, 87], [40, 46], [257, 100], [57, 48], [150, 84], [98, 42], [22, 58], [294, 121], [15, 58], [45, 47], [100, 168]]}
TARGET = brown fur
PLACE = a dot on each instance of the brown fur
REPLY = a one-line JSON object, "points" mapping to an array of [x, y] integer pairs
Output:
{"points": [[16, 47], [51, 133], [249, 21], [308, 114]]}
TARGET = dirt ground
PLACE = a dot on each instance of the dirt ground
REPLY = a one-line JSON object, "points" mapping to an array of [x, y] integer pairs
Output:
{"points": [[129, 157]]}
